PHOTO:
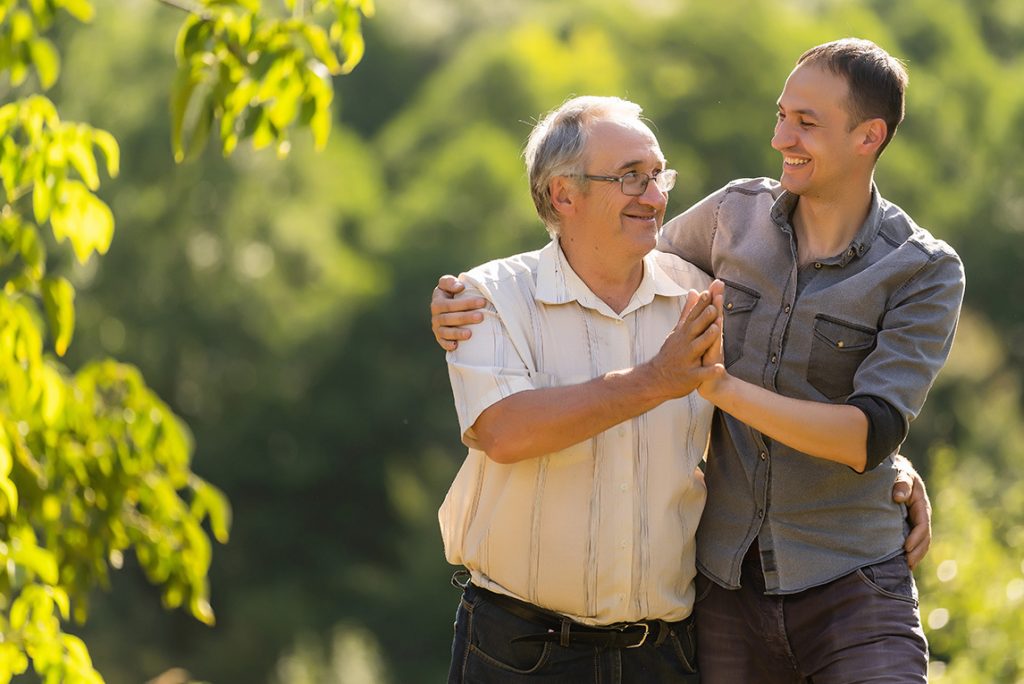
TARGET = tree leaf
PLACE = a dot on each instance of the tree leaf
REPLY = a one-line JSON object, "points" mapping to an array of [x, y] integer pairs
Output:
{"points": [[111, 151], [320, 126], [22, 28], [181, 95], [59, 303], [47, 60], [79, 9], [200, 131], [41, 199], [320, 44], [191, 36], [84, 219], [10, 492], [218, 509], [32, 251]]}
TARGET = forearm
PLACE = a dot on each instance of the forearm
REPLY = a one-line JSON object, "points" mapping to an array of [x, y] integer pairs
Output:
{"points": [[835, 432], [542, 421]]}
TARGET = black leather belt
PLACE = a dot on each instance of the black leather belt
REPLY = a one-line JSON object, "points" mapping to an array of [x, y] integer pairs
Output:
{"points": [[565, 632]]}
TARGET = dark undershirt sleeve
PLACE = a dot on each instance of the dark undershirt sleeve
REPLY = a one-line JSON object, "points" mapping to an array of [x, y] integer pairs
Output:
{"points": [[886, 427]]}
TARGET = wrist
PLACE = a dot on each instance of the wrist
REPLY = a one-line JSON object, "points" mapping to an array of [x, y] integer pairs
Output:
{"points": [[652, 386], [716, 389]]}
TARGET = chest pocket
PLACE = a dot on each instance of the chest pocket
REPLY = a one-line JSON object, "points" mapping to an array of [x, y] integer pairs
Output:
{"points": [[739, 305], [837, 350]]}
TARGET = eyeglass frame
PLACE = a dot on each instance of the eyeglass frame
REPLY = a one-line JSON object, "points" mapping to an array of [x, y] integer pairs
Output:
{"points": [[621, 180]]}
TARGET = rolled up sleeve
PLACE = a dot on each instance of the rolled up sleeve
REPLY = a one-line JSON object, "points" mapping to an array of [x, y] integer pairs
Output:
{"points": [[915, 336], [484, 369]]}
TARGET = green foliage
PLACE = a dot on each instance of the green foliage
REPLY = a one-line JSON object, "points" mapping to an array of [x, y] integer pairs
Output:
{"points": [[260, 75], [92, 463]]}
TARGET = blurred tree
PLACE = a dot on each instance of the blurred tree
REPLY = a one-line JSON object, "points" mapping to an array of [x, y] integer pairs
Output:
{"points": [[93, 464]]}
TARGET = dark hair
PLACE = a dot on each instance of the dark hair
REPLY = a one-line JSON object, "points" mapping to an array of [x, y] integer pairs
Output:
{"points": [[876, 80]]}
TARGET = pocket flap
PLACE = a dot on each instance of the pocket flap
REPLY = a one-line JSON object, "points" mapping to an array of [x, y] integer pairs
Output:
{"points": [[842, 335], [738, 298]]}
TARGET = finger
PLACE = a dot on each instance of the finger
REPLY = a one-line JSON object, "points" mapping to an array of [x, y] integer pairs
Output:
{"points": [[440, 306], [450, 284], [692, 297], [903, 486], [699, 320], [704, 374], [458, 318], [705, 341], [447, 333], [917, 544]]}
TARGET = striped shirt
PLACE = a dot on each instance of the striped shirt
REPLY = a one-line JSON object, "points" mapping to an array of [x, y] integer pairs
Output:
{"points": [[603, 531]]}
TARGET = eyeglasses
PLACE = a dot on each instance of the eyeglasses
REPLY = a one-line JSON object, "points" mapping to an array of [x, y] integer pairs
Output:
{"points": [[634, 183]]}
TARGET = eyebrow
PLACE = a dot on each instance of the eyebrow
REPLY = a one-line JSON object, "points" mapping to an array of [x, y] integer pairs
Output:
{"points": [[805, 112], [637, 162]]}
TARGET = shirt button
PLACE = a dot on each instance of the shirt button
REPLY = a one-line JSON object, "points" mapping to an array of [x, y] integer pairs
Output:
{"points": [[817, 265], [788, 308], [729, 306], [764, 456], [774, 358], [760, 513], [840, 344], [622, 487], [850, 253]]}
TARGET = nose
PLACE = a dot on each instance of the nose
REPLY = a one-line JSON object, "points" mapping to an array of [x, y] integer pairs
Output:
{"points": [[783, 136], [654, 196]]}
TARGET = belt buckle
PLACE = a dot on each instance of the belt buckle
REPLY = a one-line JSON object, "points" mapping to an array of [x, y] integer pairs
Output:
{"points": [[647, 631]]}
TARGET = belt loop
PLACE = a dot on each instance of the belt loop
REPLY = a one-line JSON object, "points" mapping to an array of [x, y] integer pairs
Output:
{"points": [[563, 638], [460, 579], [663, 630]]}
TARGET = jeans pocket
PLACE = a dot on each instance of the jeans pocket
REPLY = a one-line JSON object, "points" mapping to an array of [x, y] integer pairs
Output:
{"points": [[739, 305], [891, 578], [837, 350], [491, 641], [684, 641]]}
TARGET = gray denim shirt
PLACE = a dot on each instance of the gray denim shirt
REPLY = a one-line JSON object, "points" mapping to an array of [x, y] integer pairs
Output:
{"points": [[877, 319]]}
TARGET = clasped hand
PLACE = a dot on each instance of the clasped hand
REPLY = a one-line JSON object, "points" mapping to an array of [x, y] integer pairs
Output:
{"points": [[692, 356]]}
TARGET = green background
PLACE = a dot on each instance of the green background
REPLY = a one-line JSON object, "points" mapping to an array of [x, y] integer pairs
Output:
{"points": [[280, 307]]}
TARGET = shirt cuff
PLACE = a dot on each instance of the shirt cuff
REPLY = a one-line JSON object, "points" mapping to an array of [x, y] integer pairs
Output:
{"points": [[886, 427]]}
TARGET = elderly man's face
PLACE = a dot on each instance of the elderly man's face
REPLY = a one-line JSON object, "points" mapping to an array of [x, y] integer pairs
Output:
{"points": [[607, 217]]}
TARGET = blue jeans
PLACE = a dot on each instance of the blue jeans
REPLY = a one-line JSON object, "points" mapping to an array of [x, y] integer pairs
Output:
{"points": [[864, 627], [483, 652]]}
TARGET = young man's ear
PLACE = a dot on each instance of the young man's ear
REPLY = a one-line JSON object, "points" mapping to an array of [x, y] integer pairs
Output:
{"points": [[563, 195], [873, 132]]}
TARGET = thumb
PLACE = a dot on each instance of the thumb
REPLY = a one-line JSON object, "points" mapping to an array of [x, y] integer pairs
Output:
{"points": [[901, 489]]}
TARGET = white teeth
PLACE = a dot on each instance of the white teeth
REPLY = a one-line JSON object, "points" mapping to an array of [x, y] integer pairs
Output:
{"points": [[793, 161]]}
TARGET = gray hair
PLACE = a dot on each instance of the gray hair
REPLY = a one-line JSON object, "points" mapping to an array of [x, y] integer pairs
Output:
{"points": [[557, 145]]}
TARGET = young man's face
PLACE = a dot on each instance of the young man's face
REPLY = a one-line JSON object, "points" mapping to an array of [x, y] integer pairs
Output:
{"points": [[814, 135], [606, 216]]}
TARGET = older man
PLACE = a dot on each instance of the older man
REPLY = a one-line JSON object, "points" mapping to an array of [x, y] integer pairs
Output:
{"points": [[576, 508]]}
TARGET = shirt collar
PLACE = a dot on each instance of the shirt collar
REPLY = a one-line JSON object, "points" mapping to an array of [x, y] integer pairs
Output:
{"points": [[557, 283], [783, 208]]}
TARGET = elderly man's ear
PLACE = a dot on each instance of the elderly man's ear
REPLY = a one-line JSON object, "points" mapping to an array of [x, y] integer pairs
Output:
{"points": [[563, 195]]}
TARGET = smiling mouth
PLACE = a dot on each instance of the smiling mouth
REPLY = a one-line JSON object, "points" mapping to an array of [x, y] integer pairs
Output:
{"points": [[794, 161]]}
